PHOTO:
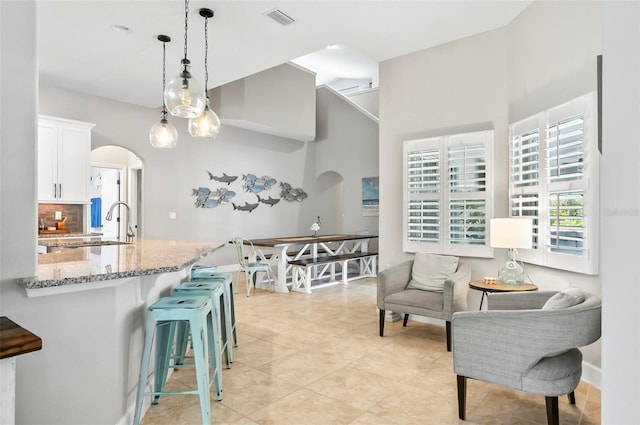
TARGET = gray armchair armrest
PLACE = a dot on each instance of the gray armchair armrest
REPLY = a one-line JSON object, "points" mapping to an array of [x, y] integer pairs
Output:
{"points": [[394, 279], [518, 300], [455, 291]]}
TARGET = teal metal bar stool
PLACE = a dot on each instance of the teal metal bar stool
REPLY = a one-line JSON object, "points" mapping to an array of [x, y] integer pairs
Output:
{"points": [[163, 317], [209, 273], [215, 291]]}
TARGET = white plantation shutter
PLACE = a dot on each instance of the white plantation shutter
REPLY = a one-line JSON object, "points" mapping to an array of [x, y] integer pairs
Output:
{"points": [[527, 206], [424, 221], [525, 159], [554, 182], [565, 155], [566, 223], [447, 196]]}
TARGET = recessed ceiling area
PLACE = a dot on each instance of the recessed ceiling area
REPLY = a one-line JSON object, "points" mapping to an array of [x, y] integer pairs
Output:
{"points": [[109, 48], [342, 67]]}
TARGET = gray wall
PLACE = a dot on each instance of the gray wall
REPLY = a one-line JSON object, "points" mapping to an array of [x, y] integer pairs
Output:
{"points": [[170, 176], [346, 143], [620, 205], [18, 216], [544, 57], [268, 100]]}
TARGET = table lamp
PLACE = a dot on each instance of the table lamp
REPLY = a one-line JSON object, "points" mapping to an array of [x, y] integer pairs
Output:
{"points": [[511, 233]]}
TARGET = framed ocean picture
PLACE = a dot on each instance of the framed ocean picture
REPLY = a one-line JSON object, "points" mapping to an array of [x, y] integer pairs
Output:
{"points": [[370, 197]]}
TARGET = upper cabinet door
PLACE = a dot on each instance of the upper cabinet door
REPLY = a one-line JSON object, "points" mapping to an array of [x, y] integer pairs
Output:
{"points": [[64, 158], [47, 162], [74, 158]]}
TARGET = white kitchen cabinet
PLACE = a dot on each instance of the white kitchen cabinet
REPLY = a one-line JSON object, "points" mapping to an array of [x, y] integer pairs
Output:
{"points": [[64, 160]]}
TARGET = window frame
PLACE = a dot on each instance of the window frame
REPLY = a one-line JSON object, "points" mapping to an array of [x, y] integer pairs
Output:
{"points": [[541, 253], [445, 197]]}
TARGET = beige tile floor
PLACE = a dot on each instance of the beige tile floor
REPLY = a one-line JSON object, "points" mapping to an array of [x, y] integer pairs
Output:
{"points": [[318, 359]]}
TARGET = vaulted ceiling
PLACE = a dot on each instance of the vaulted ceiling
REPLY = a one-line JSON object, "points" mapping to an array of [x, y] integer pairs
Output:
{"points": [[82, 45]]}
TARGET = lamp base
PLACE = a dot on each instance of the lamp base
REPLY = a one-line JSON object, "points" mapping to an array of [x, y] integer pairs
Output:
{"points": [[511, 273]]}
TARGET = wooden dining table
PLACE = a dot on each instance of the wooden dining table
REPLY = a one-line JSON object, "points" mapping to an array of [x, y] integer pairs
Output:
{"points": [[279, 251]]}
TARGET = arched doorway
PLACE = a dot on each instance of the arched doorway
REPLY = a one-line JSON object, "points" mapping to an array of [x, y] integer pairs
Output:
{"points": [[116, 176], [330, 205]]}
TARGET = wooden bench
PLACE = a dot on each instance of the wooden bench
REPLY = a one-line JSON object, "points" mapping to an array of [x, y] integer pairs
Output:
{"points": [[325, 267]]}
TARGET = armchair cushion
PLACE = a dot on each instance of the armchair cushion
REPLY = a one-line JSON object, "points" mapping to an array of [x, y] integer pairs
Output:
{"points": [[417, 299], [565, 298], [555, 375], [430, 271]]}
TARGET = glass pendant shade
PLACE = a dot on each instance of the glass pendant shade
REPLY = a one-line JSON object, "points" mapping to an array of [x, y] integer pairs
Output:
{"points": [[207, 125], [184, 95], [163, 135]]}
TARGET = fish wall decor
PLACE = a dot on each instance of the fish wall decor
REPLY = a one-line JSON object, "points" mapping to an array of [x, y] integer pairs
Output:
{"points": [[246, 207], [254, 184], [223, 179], [271, 201], [290, 194], [207, 198]]}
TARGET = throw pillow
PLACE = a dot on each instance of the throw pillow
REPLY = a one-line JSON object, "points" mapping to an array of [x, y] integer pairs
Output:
{"points": [[565, 298], [430, 271]]}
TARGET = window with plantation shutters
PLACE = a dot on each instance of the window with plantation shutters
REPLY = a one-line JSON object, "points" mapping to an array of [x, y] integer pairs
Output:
{"points": [[446, 194], [554, 181]]}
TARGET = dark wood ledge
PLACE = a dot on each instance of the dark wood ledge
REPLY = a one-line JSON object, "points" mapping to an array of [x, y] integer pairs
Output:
{"points": [[16, 340]]}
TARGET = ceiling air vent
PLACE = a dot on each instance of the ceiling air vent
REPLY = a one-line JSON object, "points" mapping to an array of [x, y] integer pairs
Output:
{"points": [[280, 17]]}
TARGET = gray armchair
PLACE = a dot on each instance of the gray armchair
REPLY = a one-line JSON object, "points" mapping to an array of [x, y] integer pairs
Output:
{"points": [[519, 345], [393, 295]]}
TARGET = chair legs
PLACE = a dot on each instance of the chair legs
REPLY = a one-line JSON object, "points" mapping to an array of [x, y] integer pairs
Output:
{"points": [[404, 321], [462, 396], [448, 328], [381, 322], [553, 417]]}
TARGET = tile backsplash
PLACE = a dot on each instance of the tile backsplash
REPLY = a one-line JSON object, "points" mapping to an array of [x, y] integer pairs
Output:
{"points": [[74, 214]]}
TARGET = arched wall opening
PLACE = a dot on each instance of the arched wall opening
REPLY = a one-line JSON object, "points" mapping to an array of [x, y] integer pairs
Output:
{"points": [[330, 202], [116, 176]]}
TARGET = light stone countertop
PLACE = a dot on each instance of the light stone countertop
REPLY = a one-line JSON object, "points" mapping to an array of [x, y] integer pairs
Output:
{"points": [[99, 263]]}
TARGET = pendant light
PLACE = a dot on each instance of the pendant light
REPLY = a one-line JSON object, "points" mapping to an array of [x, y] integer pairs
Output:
{"points": [[163, 134], [207, 125], [183, 95]]}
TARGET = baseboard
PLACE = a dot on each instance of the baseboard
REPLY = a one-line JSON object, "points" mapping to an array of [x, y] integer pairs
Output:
{"points": [[591, 374]]}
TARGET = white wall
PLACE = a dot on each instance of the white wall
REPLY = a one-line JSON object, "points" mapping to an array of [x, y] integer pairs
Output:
{"points": [[346, 143], [546, 56], [268, 100], [170, 175], [367, 99], [620, 214], [18, 205], [456, 87]]}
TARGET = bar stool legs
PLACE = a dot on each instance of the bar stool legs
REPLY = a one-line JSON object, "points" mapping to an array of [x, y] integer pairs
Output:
{"points": [[209, 273], [163, 316]]}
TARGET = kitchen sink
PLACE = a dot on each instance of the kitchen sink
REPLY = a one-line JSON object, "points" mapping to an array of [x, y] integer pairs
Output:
{"points": [[81, 244]]}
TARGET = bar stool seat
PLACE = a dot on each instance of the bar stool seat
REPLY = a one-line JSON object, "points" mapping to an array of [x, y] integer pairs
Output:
{"points": [[208, 274], [163, 317], [215, 291]]}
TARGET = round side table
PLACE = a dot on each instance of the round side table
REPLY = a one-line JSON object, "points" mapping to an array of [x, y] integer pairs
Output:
{"points": [[486, 287]]}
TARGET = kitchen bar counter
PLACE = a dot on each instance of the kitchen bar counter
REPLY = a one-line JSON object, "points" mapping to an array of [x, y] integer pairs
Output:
{"points": [[89, 305], [145, 257]]}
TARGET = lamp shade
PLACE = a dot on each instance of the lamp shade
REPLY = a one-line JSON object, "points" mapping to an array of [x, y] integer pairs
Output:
{"points": [[511, 233]]}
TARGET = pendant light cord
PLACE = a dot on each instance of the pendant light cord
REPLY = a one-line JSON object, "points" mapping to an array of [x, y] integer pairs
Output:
{"points": [[164, 76], [186, 26], [206, 56]]}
